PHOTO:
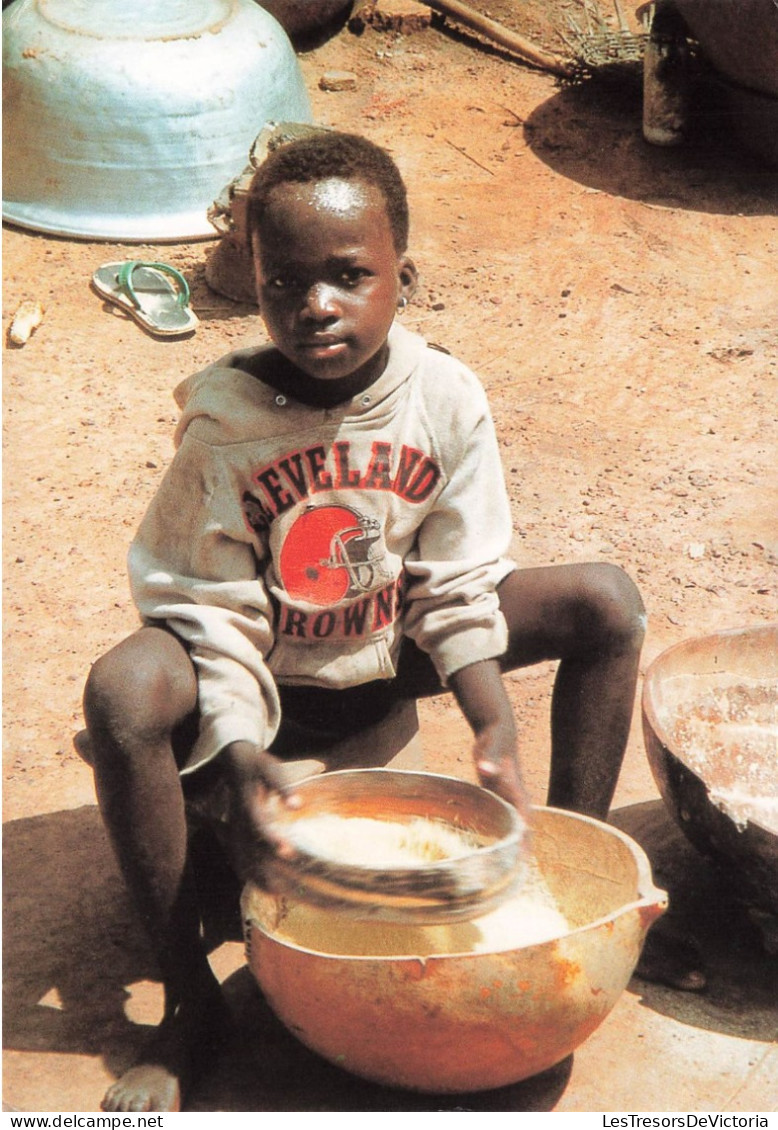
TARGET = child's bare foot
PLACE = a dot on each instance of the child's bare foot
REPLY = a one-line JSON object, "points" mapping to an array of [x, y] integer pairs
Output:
{"points": [[183, 1046], [145, 1087], [673, 959]]}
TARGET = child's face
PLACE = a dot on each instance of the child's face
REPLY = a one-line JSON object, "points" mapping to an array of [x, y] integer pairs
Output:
{"points": [[329, 280]]}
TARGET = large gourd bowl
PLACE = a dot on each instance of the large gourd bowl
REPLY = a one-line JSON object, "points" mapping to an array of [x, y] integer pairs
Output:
{"points": [[710, 721], [740, 40], [461, 1020], [303, 17]]}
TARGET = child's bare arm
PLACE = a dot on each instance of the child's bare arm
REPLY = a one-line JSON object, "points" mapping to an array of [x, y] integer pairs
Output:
{"points": [[481, 695]]}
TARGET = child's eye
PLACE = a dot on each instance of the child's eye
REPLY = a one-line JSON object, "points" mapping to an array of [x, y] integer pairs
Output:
{"points": [[282, 281], [352, 276]]}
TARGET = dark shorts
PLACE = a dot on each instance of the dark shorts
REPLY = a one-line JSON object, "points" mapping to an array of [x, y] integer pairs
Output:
{"points": [[316, 718]]}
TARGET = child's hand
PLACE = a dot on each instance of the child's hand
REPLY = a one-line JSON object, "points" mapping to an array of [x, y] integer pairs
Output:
{"points": [[496, 761], [480, 692], [257, 792]]}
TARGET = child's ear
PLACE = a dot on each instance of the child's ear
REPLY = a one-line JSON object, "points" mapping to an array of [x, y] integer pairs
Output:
{"points": [[409, 277]]}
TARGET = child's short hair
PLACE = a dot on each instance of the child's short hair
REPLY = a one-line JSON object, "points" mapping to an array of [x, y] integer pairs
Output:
{"points": [[331, 153]]}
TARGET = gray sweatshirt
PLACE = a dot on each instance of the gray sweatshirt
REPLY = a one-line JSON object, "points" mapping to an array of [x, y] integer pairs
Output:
{"points": [[292, 544]]}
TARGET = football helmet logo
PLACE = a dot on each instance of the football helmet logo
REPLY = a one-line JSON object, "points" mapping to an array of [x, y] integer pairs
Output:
{"points": [[332, 552]]}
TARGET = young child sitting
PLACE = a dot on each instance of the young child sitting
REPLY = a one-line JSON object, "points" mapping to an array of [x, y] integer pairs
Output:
{"points": [[329, 541]]}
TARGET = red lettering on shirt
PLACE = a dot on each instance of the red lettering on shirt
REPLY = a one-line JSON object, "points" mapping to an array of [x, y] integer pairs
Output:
{"points": [[294, 476]]}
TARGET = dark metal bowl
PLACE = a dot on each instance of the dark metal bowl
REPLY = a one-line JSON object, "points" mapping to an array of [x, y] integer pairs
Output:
{"points": [[705, 782]]}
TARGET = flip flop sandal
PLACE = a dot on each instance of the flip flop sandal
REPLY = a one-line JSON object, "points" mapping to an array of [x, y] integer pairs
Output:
{"points": [[156, 295]]}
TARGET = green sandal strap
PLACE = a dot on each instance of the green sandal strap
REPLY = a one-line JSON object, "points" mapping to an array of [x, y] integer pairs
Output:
{"points": [[126, 271]]}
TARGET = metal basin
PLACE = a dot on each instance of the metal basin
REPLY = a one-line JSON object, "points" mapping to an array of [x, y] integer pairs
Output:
{"points": [[710, 721], [125, 121], [464, 1021]]}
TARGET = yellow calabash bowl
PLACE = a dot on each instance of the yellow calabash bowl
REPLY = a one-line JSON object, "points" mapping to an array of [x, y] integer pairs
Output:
{"points": [[465, 1021]]}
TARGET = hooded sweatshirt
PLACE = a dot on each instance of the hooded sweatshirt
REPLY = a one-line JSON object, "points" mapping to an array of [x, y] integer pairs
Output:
{"points": [[294, 544]]}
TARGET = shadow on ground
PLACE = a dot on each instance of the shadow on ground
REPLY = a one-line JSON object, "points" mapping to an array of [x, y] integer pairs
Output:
{"points": [[70, 943], [742, 988], [592, 134]]}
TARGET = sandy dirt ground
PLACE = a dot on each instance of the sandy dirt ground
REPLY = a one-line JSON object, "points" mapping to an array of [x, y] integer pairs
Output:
{"points": [[619, 303]]}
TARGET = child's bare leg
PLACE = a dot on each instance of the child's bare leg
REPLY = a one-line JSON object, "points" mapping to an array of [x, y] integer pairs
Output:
{"points": [[135, 697], [589, 617]]}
